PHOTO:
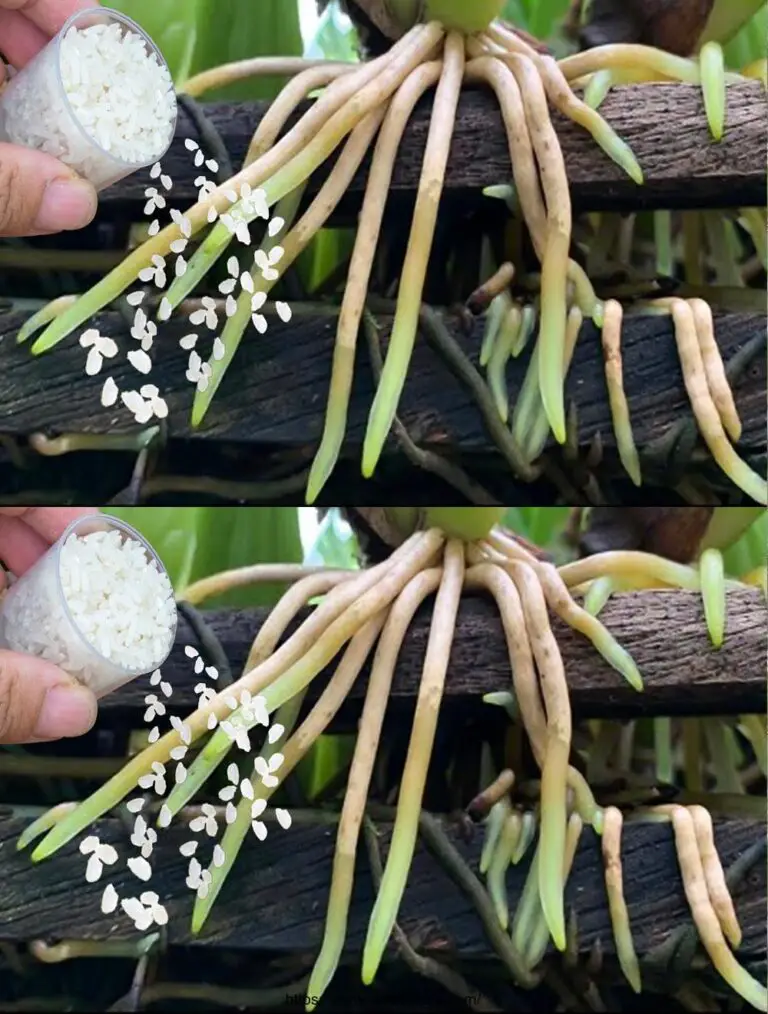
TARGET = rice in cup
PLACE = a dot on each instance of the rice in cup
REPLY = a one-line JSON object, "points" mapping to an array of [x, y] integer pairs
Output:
{"points": [[99, 97], [99, 605]]}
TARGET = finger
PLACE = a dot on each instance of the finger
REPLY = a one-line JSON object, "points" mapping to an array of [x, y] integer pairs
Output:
{"points": [[52, 522], [49, 15], [20, 40], [40, 195], [20, 546], [40, 702]]}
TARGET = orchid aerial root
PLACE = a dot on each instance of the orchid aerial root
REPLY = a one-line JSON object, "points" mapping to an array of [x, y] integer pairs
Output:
{"points": [[366, 614]]}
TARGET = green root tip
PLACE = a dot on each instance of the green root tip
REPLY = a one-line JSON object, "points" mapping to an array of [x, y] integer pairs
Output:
{"points": [[370, 968], [319, 475], [200, 407], [41, 853], [633, 677], [598, 595], [558, 430], [713, 594], [556, 926], [41, 345], [49, 313], [379, 932], [371, 455], [44, 824], [623, 662], [713, 87], [598, 87], [623, 155], [379, 424]]}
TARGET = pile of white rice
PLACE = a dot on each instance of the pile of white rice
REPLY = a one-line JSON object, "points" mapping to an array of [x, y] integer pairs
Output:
{"points": [[117, 601], [120, 601], [119, 92]]}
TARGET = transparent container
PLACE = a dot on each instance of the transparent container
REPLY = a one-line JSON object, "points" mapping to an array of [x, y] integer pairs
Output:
{"points": [[35, 618], [36, 112]]}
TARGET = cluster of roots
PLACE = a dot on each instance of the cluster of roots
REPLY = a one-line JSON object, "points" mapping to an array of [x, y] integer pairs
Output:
{"points": [[365, 615], [368, 105]]}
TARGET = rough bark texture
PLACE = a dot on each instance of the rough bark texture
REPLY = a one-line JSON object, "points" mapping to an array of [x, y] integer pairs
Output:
{"points": [[664, 123], [285, 880], [664, 631], [273, 401]]}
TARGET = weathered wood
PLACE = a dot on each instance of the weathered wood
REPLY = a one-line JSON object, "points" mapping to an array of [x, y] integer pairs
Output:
{"points": [[665, 125], [664, 631], [274, 397], [275, 899]]}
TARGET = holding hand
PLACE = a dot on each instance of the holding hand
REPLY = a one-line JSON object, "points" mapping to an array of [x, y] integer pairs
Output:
{"points": [[38, 194], [37, 700]]}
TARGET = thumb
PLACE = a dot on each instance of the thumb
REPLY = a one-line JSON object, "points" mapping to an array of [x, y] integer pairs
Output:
{"points": [[39, 195], [40, 702]]}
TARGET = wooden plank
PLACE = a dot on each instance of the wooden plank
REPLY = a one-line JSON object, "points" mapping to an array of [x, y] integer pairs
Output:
{"points": [[664, 124], [273, 400], [275, 900], [664, 631]]}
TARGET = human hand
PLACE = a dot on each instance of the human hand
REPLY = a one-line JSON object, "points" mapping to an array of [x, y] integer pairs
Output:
{"points": [[38, 701], [39, 195]]}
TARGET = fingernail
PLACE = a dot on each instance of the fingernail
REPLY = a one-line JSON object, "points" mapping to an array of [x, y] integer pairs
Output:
{"points": [[66, 711], [66, 205]]}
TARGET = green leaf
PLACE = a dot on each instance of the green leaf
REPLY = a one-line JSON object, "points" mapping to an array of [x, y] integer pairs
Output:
{"points": [[544, 16], [172, 26], [516, 13], [171, 531], [751, 550], [200, 34], [195, 542], [540, 525], [327, 251], [230, 537], [335, 37], [729, 18], [748, 44], [335, 544]]}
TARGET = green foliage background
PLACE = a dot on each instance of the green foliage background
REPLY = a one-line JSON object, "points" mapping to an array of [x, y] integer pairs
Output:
{"points": [[199, 34]]}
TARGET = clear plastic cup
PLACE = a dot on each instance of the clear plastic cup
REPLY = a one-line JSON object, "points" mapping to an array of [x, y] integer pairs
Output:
{"points": [[36, 112], [35, 618]]}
